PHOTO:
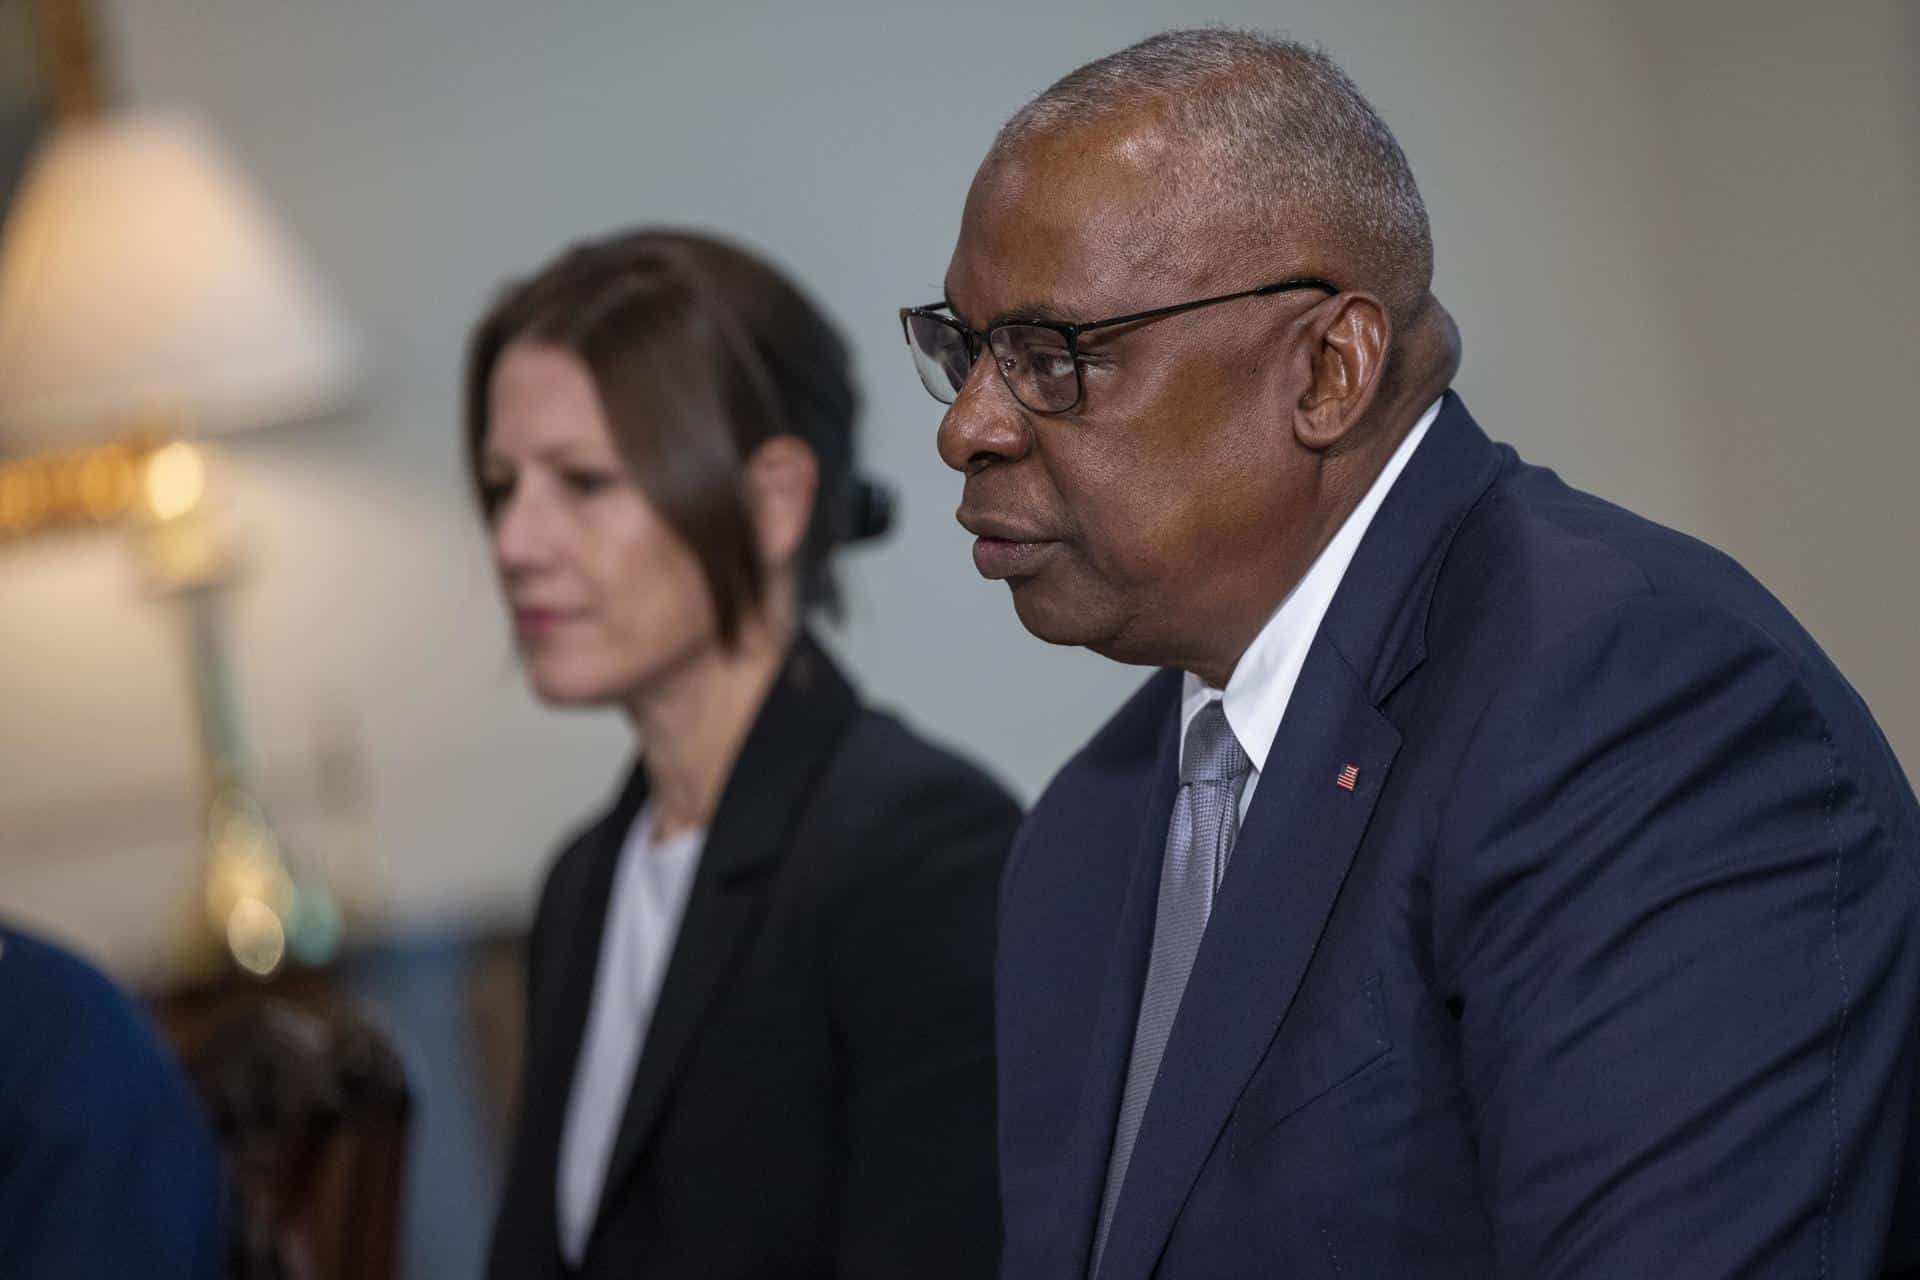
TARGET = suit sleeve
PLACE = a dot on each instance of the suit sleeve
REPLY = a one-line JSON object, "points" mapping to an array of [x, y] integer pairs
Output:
{"points": [[1677, 939], [107, 1164], [911, 963]]}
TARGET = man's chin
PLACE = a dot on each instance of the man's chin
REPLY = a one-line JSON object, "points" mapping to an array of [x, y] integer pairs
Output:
{"points": [[1054, 616], [1096, 625]]}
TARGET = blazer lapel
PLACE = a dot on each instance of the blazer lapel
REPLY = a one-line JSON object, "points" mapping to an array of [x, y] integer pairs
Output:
{"points": [[1126, 968], [808, 710], [1325, 772], [554, 1049]]}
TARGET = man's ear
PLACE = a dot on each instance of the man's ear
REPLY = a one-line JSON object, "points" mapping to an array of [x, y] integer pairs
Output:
{"points": [[782, 480], [1347, 339]]}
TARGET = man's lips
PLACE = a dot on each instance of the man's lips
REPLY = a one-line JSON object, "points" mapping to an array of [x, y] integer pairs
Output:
{"points": [[999, 558], [1004, 548]]}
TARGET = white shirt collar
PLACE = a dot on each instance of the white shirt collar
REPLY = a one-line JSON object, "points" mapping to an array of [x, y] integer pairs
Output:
{"points": [[1262, 683]]}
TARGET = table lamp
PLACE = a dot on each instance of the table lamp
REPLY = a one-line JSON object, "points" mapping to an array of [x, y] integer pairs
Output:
{"points": [[149, 300]]}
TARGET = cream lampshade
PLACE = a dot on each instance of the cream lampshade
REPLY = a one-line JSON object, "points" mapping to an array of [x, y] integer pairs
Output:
{"points": [[140, 278]]}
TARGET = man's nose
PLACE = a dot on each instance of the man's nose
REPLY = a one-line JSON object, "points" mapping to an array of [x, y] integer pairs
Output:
{"points": [[983, 424]]}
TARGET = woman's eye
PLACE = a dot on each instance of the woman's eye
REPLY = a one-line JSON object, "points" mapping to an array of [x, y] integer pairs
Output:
{"points": [[494, 494], [588, 483]]}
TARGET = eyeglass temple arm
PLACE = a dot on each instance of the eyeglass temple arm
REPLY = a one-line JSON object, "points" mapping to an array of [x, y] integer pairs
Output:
{"points": [[1278, 286]]}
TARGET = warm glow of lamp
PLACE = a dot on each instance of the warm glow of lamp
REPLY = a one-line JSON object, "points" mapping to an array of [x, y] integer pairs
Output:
{"points": [[141, 282], [175, 480]]}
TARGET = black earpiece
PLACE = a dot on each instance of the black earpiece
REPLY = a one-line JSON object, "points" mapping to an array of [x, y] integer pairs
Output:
{"points": [[873, 504]]}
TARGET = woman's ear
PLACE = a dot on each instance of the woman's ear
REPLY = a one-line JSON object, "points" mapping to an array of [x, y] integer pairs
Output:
{"points": [[782, 481]]}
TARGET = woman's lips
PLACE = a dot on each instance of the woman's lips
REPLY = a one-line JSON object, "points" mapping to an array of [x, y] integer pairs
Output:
{"points": [[1007, 558], [533, 624]]}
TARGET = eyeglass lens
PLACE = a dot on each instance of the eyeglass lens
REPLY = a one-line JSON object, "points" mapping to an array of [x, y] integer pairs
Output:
{"points": [[1036, 362], [1038, 365]]}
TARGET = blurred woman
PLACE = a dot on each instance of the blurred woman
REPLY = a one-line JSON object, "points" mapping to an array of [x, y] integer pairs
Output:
{"points": [[759, 1026]]}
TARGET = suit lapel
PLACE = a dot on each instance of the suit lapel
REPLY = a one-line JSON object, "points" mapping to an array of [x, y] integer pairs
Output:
{"points": [[808, 710], [554, 1050], [1126, 969], [1288, 864], [1300, 835]]}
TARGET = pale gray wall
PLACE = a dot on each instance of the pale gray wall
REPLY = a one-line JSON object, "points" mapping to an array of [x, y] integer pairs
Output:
{"points": [[1679, 240]]}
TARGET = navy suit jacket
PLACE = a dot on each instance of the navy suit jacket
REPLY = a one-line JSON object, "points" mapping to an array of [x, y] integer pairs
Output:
{"points": [[1605, 966], [107, 1166]]}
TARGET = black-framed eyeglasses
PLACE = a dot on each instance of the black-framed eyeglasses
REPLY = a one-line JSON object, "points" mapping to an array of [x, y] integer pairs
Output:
{"points": [[1039, 360]]}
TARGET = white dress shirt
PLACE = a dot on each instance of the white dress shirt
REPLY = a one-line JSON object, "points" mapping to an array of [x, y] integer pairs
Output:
{"points": [[649, 894], [1262, 683]]}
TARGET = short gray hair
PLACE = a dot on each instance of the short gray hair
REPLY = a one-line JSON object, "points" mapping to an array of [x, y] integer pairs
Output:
{"points": [[1274, 134]]}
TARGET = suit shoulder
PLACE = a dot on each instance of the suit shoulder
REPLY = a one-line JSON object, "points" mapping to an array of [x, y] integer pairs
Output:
{"points": [[34, 971], [1538, 559], [886, 773], [1541, 569], [70, 1024], [895, 813]]}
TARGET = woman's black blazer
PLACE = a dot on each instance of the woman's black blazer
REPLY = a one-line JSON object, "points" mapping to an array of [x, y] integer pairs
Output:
{"points": [[815, 1093]]}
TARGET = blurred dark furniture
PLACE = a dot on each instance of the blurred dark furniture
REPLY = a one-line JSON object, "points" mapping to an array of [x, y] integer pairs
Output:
{"points": [[449, 1002], [310, 1102]]}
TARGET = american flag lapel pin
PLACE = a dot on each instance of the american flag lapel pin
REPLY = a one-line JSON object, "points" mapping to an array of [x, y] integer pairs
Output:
{"points": [[1349, 778]]}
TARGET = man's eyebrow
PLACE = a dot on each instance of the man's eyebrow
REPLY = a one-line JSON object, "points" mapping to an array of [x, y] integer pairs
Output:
{"points": [[1050, 312]]}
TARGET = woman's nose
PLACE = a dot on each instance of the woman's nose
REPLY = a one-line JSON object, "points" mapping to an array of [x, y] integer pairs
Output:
{"points": [[521, 540]]}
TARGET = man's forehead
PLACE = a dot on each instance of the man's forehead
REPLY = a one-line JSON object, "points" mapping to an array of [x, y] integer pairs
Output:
{"points": [[1126, 143], [1067, 218]]}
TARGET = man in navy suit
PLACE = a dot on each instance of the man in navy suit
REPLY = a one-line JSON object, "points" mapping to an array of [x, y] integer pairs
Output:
{"points": [[107, 1166], [1493, 883]]}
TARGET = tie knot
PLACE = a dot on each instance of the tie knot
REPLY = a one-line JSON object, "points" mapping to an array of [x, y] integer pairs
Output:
{"points": [[1212, 753]]}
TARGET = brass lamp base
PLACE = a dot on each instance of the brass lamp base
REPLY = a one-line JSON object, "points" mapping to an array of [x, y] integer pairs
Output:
{"points": [[259, 908]]}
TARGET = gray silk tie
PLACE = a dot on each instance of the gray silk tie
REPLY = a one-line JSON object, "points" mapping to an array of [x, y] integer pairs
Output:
{"points": [[1206, 817]]}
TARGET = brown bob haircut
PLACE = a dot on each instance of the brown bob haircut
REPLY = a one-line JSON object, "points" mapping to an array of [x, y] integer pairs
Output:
{"points": [[700, 352]]}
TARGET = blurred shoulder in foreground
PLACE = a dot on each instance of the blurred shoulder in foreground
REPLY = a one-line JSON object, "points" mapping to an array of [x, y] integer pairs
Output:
{"points": [[107, 1167]]}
